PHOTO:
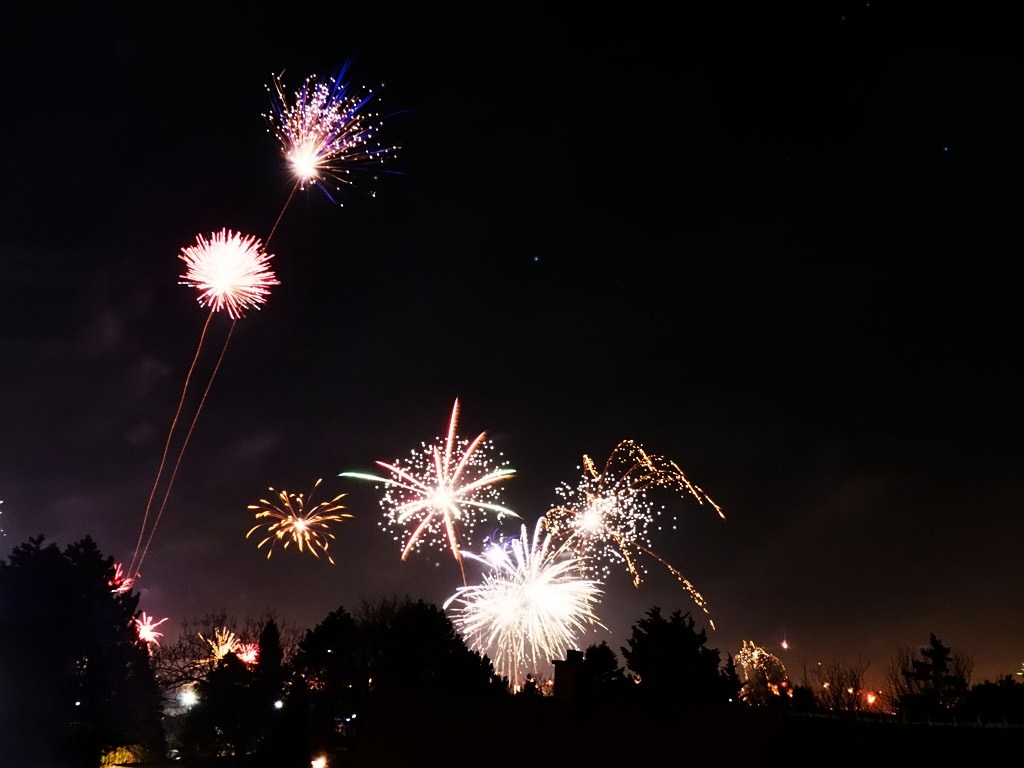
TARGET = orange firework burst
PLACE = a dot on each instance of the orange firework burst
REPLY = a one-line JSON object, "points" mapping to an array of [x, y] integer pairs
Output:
{"points": [[607, 515], [289, 521]]}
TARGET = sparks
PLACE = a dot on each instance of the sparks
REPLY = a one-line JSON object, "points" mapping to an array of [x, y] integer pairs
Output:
{"points": [[763, 672], [230, 270], [248, 653], [120, 582], [290, 522], [147, 629], [325, 132], [530, 607], [445, 489], [223, 642], [607, 516]]}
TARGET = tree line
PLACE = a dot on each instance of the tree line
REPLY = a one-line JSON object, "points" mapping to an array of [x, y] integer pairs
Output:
{"points": [[81, 687]]}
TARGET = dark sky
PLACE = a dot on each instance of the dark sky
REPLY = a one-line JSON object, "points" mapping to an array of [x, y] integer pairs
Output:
{"points": [[774, 246]]}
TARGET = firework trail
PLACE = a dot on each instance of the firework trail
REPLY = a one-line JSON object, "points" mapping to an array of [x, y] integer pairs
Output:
{"points": [[232, 274], [529, 608], [607, 516], [325, 132], [288, 521], [444, 487]]}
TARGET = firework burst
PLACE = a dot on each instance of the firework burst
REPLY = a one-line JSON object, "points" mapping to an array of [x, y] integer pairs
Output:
{"points": [[231, 271], [147, 629], [607, 517], [223, 642], [248, 653], [326, 131], [289, 521], [529, 608], [119, 582], [445, 488], [764, 674]]}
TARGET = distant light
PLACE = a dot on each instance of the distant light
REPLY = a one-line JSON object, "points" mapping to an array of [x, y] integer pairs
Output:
{"points": [[188, 698], [319, 762], [278, 704]]}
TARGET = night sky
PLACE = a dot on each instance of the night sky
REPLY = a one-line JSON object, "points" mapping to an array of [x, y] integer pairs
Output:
{"points": [[775, 246]]}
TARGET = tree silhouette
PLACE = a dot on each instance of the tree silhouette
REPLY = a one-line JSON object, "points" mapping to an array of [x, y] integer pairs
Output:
{"points": [[76, 676], [223, 721], [349, 665], [999, 702], [674, 665], [416, 648], [602, 679], [931, 685]]}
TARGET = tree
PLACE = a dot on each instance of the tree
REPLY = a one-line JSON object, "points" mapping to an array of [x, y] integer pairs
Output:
{"points": [[840, 688], [931, 684], [351, 666], [602, 678], [1000, 702], [674, 665], [223, 722], [416, 648], [76, 676]]}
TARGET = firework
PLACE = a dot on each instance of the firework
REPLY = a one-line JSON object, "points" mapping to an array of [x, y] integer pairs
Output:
{"points": [[230, 270], [119, 582], [325, 131], [607, 517], [764, 674], [445, 488], [147, 629], [223, 642], [232, 273], [248, 653], [529, 608], [290, 522]]}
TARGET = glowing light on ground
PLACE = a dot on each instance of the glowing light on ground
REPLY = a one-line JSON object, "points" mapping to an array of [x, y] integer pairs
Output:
{"points": [[529, 608], [442, 492], [607, 517], [288, 521]]}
